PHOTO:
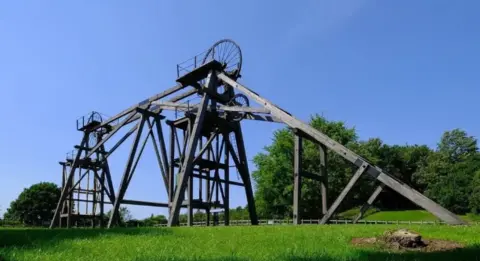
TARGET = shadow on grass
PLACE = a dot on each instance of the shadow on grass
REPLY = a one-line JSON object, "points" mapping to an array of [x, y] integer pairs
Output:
{"points": [[466, 254], [470, 253], [27, 238]]}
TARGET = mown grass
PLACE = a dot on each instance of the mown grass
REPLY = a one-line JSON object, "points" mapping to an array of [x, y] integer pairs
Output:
{"points": [[404, 215], [401, 215], [352, 213], [306, 243]]}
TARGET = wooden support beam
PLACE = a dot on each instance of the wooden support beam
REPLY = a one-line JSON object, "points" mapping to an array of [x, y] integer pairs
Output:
{"points": [[161, 95], [171, 170], [324, 175], [163, 148], [226, 200], [144, 203], [65, 190], [161, 165], [126, 174], [344, 193], [242, 167], [297, 179], [189, 154], [369, 203]]}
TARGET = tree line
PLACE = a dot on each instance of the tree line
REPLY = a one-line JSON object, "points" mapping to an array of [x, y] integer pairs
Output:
{"points": [[449, 174]]}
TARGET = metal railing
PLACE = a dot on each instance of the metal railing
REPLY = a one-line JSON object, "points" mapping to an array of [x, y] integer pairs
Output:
{"points": [[193, 63]]}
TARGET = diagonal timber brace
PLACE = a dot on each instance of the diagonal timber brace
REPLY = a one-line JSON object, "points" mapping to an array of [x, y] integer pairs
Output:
{"points": [[242, 167], [187, 164], [126, 174], [369, 203], [68, 181], [413, 195], [344, 193]]}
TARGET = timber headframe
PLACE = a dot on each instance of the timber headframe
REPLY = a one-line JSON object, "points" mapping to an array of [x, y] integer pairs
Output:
{"points": [[201, 146]]}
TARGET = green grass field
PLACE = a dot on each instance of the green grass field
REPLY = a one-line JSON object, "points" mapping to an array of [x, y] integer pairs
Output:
{"points": [[306, 243], [403, 215]]}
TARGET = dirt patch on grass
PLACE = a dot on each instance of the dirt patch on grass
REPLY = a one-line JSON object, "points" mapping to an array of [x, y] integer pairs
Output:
{"points": [[405, 240]]}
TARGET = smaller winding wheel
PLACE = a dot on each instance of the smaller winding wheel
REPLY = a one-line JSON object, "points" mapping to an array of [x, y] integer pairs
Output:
{"points": [[239, 100]]}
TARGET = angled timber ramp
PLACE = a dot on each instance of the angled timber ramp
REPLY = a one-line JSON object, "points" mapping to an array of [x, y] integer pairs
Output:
{"points": [[364, 167]]}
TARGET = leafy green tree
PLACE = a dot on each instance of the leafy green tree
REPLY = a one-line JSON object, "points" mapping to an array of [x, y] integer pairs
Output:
{"points": [[35, 205], [155, 220], [274, 174], [124, 215], [474, 203], [449, 172], [445, 174], [239, 213]]}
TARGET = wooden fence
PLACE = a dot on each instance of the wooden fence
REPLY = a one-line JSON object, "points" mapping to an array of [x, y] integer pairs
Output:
{"points": [[265, 222]]}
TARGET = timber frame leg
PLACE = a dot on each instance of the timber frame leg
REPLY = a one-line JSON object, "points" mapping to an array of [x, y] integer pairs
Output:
{"points": [[127, 174], [297, 179], [369, 203], [187, 164], [242, 166], [324, 179]]}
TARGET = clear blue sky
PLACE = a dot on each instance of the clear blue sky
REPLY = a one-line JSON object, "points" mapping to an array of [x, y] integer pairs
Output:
{"points": [[404, 71]]}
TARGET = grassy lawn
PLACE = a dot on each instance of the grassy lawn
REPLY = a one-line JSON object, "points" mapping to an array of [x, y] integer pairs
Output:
{"points": [[403, 215], [306, 242]]}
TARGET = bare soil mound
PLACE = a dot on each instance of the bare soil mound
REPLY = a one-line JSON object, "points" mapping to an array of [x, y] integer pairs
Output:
{"points": [[405, 240]]}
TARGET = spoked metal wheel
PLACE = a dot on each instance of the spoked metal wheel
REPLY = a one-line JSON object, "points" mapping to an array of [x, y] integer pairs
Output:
{"points": [[229, 54], [239, 100]]}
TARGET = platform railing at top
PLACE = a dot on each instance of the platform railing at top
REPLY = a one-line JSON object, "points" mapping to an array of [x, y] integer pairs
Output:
{"points": [[193, 63], [93, 116], [71, 155]]}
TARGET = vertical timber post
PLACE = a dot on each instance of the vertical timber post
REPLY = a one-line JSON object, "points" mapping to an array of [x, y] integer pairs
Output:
{"points": [[207, 174], [102, 199], [226, 201], [297, 187], [324, 174], [190, 182], [70, 201], [171, 171], [64, 204]]}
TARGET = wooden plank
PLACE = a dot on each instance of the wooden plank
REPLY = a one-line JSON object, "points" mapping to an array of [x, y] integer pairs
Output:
{"points": [[324, 180], [369, 203], [297, 178]]}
